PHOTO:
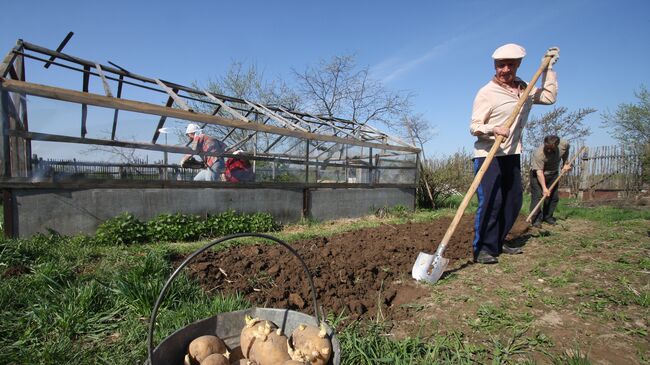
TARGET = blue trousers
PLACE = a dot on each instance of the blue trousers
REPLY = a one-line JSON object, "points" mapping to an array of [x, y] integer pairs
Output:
{"points": [[499, 201], [209, 173]]}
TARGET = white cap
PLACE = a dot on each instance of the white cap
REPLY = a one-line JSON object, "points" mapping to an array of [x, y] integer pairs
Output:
{"points": [[509, 51], [192, 128]]}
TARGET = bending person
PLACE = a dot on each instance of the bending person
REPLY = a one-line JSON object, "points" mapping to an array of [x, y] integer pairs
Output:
{"points": [[543, 171], [203, 144], [239, 169]]}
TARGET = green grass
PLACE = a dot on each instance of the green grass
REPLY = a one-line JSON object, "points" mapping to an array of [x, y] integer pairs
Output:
{"points": [[491, 318], [79, 302], [369, 345], [569, 208], [63, 309]]}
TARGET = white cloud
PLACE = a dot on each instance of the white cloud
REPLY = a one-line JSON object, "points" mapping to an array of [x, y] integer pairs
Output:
{"points": [[395, 67]]}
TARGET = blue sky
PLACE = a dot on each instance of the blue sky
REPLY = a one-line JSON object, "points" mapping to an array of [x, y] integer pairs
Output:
{"points": [[439, 50]]}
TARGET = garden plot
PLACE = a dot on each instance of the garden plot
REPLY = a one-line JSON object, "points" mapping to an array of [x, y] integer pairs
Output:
{"points": [[359, 274]]}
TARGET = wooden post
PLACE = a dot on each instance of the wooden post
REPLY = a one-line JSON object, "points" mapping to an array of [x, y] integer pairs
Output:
{"points": [[306, 203], [13, 146], [306, 161], [16, 108], [370, 170], [23, 116], [347, 164], [273, 167], [119, 95], [161, 122], [84, 107], [377, 174], [417, 181], [59, 48], [254, 152], [173, 94], [584, 175], [107, 88], [5, 151]]}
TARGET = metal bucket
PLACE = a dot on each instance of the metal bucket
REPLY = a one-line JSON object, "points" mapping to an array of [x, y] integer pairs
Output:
{"points": [[228, 325]]}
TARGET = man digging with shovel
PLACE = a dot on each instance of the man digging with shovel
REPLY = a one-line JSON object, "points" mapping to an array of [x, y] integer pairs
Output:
{"points": [[500, 111], [500, 190]]}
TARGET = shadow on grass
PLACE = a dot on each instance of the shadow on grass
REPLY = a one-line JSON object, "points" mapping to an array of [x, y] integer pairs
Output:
{"points": [[520, 241]]}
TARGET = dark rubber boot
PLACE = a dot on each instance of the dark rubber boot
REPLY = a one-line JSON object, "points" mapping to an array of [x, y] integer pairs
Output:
{"points": [[485, 258], [511, 250], [550, 220]]}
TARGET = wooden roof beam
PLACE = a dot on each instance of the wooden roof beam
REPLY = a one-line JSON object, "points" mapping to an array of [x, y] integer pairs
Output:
{"points": [[148, 108], [59, 48]]}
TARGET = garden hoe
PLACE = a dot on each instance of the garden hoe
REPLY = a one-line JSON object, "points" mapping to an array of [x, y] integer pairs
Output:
{"points": [[430, 267], [541, 201]]}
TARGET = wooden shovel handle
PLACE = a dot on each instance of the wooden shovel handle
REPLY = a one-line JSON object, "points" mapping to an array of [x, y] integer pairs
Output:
{"points": [[541, 201], [497, 142]]}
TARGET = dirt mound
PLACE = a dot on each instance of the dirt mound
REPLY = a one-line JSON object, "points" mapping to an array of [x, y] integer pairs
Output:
{"points": [[364, 273]]}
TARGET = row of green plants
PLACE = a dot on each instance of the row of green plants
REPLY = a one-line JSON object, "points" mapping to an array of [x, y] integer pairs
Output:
{"points": [[127, 229]]}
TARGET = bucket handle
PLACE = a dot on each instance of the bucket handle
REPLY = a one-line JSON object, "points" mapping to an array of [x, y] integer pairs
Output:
{"points": [[191, 257]]}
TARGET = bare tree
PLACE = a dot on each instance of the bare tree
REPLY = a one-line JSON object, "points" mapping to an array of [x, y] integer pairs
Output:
{"points": [[245, 82], [248, 82], [631, 122], [417, 129], [559, 122], [122, 155], [337, 88]]}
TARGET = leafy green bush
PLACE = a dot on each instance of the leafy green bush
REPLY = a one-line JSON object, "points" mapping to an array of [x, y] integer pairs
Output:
{"points": [[261, 222], [230, 222], [126, 229], [444, 178], [122, 230], [397, 211], [175, 228]]}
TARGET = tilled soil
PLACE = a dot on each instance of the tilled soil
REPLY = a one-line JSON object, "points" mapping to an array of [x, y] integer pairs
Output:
{"points": [[362, 274]]}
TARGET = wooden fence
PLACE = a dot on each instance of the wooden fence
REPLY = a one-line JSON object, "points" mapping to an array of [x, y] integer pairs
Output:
{"points": [[603, 171], [604, 168], [138, 170]]}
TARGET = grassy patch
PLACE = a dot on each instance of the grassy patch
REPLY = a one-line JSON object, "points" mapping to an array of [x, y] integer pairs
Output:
{"points": [[569, 208], [62, 310], [69, 300], [492, 318], [372, 344]]}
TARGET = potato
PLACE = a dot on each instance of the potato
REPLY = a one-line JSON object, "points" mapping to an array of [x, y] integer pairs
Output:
{"points": [[215, 359], [244, 362], [294, 362], [205, 346], [310, 344], [254, 327], [269, 349]]}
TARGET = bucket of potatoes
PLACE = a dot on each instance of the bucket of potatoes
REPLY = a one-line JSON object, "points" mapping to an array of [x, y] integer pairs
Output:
{"points": [[254, 336]]}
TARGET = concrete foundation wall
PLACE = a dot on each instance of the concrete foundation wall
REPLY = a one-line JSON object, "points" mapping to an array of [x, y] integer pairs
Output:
{"points": [[327, 204], [81, 211], [71, 212]]}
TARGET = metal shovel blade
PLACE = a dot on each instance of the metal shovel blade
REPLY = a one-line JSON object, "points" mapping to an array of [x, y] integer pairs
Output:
{"points": [[429, 267]]}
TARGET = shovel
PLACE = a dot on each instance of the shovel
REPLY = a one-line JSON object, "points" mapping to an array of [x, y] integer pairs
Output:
{"points": [[541, 201], [430, 267]]}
